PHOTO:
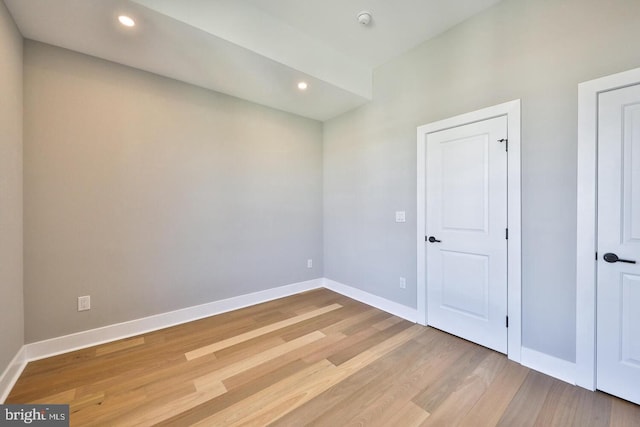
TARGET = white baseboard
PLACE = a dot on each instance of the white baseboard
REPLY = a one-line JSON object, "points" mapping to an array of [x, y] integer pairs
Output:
{"points": [[89, 338], [408, 313], [92, 337], [84, 339], [12, 373], [549, 365]]}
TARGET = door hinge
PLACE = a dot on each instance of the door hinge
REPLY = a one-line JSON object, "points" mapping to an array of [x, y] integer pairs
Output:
{"points": [[426, 239], [506, 143], [506, 233], [506, 323], [596, 256]]}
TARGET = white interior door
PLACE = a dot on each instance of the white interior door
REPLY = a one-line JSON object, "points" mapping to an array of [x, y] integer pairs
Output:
{"points": [[466, 222], [618, 283]]}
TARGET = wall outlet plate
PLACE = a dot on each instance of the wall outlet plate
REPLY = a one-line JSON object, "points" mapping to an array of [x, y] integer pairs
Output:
{"points": [[84, 303], [309, 263], [400, 216], [403, 283]]}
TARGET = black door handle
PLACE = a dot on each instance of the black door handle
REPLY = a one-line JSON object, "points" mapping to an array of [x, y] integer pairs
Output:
{"points": [[609, 257], [434, 240]]}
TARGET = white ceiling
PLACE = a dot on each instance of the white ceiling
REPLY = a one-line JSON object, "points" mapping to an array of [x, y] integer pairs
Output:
{"points": [[252, 49]]}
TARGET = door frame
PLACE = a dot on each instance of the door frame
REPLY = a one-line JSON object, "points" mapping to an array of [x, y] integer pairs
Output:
{"points": [[587, 227], [511, 110]]}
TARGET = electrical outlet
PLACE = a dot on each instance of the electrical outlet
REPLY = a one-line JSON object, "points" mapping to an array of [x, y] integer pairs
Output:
{"points": [[309, 263], [403, 283], [400, 216], [84, 303]]}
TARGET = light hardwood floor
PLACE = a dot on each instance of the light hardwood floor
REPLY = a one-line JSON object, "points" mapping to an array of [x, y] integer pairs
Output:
{"points": [[315, 358]]}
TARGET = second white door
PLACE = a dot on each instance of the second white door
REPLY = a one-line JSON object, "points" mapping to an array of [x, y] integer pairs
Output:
{"points": [[618, 284], [466, 225]]}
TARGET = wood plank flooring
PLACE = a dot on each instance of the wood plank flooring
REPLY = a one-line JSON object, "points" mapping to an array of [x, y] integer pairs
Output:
{"points": [[316, 358]]}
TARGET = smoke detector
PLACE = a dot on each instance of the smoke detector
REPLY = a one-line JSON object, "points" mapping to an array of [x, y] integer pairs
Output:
{"points": [[364, 17]]}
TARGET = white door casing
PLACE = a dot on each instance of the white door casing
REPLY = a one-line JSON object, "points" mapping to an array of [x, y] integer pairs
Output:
{"points": [[618, 283], [511, 111], [587, 227], [466, 209]]}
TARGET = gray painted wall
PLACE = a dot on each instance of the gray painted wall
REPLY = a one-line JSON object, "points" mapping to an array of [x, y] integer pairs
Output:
{"points": [[11, 303], [535, 50], [151, 195]]}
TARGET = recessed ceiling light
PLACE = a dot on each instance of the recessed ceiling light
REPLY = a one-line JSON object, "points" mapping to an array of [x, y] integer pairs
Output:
{"points": [[303, 85], [126, 21]]}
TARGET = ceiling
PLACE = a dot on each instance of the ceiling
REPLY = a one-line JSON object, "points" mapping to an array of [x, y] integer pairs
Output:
{"points": [[256, 50]]}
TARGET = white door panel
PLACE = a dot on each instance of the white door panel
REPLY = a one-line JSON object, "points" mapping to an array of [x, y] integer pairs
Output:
{"points": [[631, 173], [618, 283], [630, 321], [466, 208], [464, 184], [465, 290]]}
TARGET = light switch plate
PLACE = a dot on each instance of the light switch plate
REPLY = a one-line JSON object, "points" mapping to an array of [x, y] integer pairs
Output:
{"points": [[400, 216]]}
